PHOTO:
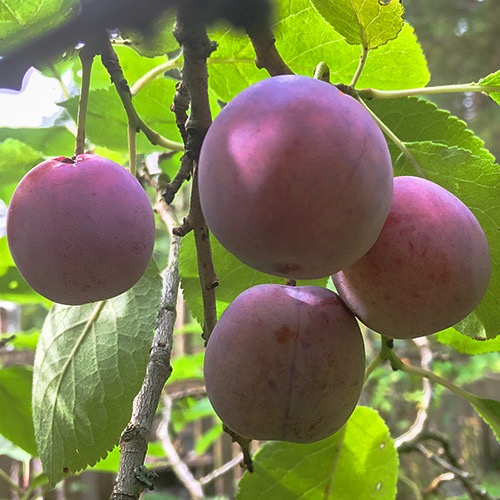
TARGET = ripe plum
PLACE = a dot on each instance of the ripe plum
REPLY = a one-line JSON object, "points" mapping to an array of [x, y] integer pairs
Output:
{"points": [[285, 363], [80, 230], [295, 178], [429, 268]]}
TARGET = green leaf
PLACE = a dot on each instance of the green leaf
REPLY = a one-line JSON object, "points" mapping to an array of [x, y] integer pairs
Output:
{"points": [[187, 366], [369, 23], [358, 462], [208, 438], [21, 20], [16, 423], [11, 450], [475, 181], [417, 120], [16, 159], [49, 141], [6, 260], [89, 365], [489, 409], [14, 288], [468, 345], [234, 277], [26, 340], [107, 121], [492, 80], [304, 39]]}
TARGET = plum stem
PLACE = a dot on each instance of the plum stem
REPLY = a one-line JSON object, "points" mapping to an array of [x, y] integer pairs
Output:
{"points": [[322, 72], [361, 65], [433, 377], [387, 353], [439, 89], [111, 63], [87, 55], [132, 148], [394, 138]]}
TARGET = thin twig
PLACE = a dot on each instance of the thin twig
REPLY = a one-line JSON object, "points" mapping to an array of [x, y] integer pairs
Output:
{"points": [[178, 465], [87, 55], [418, 425], [111, 63], [131, 480], [221, 470]]}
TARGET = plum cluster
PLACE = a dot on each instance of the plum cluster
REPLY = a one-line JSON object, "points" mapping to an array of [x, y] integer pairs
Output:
{"points": [[80, 230], [296, 180]]}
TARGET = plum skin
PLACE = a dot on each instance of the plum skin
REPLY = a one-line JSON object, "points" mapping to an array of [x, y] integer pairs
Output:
{"points": [[285, 363], [429, 268], [295, 178], [80, 230]]}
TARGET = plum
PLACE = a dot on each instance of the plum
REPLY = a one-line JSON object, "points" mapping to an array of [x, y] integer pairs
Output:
{"points": [[429, 268], [295, 178], [285, 363], [80, 230]]}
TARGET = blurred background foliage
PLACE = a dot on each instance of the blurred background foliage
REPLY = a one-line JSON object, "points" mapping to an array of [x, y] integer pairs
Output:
{"points": [[460, 40]]}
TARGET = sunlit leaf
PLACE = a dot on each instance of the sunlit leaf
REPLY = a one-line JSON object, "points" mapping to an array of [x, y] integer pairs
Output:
{"points": [[16, 422], [369, 23], [358, 462], [89, 365], [492, 80], [468, 345]]}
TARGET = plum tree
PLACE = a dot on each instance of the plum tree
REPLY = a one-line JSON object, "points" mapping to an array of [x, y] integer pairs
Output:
{"points": [[80, 230], [429, 268], [285, 363], [295, 178]]}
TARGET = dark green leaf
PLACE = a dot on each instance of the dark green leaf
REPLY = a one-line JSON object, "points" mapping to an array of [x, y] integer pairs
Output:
{"points": [[369, 23], [89, 365], [475, 181], [158, 41], [16, 423], [358, 462]]}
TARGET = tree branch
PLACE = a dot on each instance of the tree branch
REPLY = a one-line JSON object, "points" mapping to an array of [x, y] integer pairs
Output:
{"points": [[132, 479], [180, 468], [266, 54], [191, 34]]}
